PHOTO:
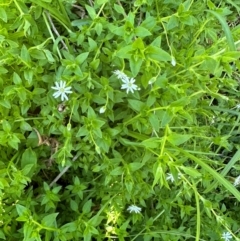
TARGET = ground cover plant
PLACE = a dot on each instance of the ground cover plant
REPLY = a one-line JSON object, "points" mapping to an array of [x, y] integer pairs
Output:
{"points": [[119, 120]]}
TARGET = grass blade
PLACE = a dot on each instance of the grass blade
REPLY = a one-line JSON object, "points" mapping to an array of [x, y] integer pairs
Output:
{"points": [[55, 13], [215, 174], [224, 172], [226, 29]]}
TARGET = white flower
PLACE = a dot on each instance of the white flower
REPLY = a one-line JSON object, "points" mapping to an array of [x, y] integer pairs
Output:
{"points": [[171, 178], [120, 75], [173, 62], [61, 90], [238, 106], [134, 209], [102, 109], [213, 120], [129, 85], [237, 181], [226, 236]]}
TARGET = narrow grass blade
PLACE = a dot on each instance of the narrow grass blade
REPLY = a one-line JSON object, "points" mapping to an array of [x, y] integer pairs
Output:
{"points": [[55, 13], [224, 172], [226, 30], [198, 228], [215, 174], [234, 5]]}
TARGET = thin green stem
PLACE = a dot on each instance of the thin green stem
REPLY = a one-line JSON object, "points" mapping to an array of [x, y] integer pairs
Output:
{"points": [[50, 32]]}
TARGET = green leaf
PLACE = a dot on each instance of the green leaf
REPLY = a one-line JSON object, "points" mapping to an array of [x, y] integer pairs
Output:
{"points": [[25, 55], [142, 32], [91, 11], [124, 53], [173, 22], [37, 54], [191, 172], [178, 139], [3, 15], [155, 53], [6, 126], [3, 70], [129, 186], [74, 205], [21, 210], [87, 206], [38, 91], [119, 9], [2, 235], [117, 171], [166, 117], [82, 57], [3, 183], [22, 94], [49, 220], [158, 175], [25, 126], [135, 65], [27, 169], [153, 142], [98, 27], [136, 105], [5, 103], [153, 119], [28, 157], [82, 131], [135, 166], [95, 64], [92, 44], [49, 56], [16, 79]]}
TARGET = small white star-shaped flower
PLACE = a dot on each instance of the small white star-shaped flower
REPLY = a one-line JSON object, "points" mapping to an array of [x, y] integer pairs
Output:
{"points": [[129, 85], [171, 178], [120, 75], [237, 181], [61, 90], [226, 236], [134, 209]]}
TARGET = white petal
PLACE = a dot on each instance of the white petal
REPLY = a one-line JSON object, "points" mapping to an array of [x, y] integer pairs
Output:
{"points": [[124, 86], [131, 90], [125, 80], [56, 94], [173, 62], [62, 84], [57, 85], [55, 88], [132, 80], [64, 96], [102, 109]]}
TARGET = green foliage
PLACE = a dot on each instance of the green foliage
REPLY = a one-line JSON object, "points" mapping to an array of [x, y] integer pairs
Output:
{"points": [[145, 145]]}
